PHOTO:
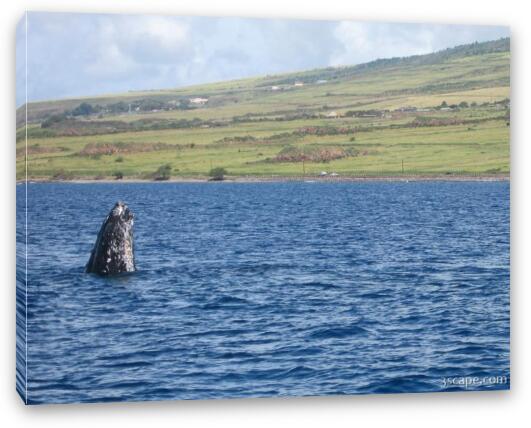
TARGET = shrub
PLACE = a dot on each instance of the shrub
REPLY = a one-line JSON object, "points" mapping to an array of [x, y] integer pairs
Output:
{"points": [[217, 174], [118, 175], [61, 174], [163, 173], [119, 159], [52, 120]]}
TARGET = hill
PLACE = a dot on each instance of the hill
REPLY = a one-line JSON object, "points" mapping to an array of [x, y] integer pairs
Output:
{"points": [[442, 113]]}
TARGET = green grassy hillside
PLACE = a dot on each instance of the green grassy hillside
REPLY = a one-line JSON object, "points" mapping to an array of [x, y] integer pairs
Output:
{"points": [[441, 113]]}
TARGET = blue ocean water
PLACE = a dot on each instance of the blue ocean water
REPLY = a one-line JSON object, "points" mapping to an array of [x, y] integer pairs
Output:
{"points": [[266, 289]]}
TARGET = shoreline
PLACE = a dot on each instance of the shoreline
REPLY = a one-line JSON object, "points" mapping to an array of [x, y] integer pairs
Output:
{"points": [[282, 179]]}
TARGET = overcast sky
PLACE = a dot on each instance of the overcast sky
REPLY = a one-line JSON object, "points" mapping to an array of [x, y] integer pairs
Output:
{"points": [[87, 54]]}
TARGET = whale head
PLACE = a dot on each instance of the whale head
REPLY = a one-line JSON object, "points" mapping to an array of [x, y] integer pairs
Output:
{"points": [[113, 250], [122, 213]]}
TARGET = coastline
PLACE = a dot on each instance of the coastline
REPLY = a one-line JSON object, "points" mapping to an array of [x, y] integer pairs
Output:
{"points": [[276, 179]]}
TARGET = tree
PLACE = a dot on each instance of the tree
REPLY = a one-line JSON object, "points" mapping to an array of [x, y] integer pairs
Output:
{"points": [[217, 174], [463, 104], [83, 109], [444, 104], [184, 104]]}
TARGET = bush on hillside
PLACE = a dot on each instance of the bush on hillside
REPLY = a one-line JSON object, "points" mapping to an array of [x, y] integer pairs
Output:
{"points": [[217, 174]]}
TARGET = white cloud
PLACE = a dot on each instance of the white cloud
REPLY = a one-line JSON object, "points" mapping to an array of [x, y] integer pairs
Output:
{"points": [[110, 61], [364, 41], [123, 44], [165, 32]]}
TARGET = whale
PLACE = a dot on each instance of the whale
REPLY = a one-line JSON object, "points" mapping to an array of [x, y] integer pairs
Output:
{"points": [[113, 252]]}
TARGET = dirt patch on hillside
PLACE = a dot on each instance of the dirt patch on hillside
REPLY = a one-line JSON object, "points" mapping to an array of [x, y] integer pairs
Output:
{"points": [[35, 149], [95, 149], [315, 154]]}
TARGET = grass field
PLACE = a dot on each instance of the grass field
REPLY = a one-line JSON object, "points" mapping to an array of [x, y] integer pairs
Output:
{"points": [[442, 113]]}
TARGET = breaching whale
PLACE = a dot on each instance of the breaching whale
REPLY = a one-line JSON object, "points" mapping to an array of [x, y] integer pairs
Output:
{"points": [[113, 250]]}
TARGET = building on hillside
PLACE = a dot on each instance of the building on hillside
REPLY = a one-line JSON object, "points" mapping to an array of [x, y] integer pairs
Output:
{"points": [[407, 109], [198, 101]]}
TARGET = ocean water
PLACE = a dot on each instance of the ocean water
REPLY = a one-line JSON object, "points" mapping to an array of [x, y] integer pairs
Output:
{"points": [[265, 289]]}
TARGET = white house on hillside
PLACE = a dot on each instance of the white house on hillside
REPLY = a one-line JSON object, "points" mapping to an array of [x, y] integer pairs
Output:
{"points": [[198, 101]]}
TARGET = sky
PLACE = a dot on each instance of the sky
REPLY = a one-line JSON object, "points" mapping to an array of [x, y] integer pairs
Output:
{"points": [[71, 55]]}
